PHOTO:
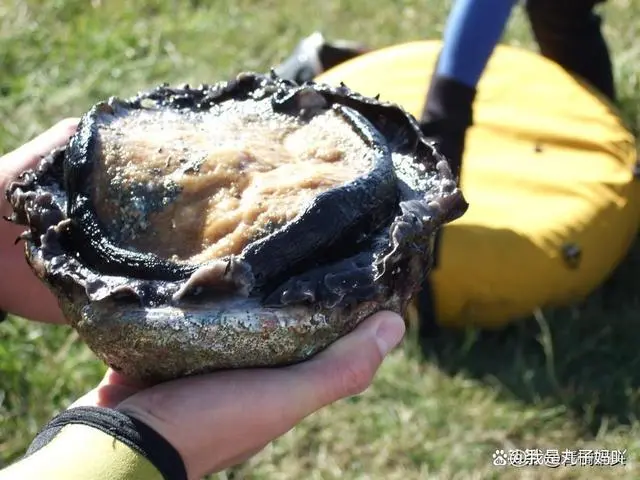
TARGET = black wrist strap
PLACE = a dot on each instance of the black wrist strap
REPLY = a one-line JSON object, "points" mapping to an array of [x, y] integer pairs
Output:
{"points": [[128, 430]]}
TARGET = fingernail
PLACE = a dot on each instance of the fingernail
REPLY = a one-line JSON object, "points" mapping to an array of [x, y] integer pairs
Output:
{"points": [[389, 333]]}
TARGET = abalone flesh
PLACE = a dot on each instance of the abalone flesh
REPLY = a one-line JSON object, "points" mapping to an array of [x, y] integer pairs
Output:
{"points": [[243, 224]]}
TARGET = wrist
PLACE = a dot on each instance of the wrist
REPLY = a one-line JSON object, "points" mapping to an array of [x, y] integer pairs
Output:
{"points": [[109, 440]]}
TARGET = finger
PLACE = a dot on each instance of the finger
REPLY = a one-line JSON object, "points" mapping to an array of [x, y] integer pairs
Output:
{"points": [[108, 396], [112, 390], [230, 414], [347, 367], [336, 373], [112, 377], [41, 145]]}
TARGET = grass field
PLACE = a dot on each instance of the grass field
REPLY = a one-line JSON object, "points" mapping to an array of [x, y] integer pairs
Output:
{"points": [[568, 378]]}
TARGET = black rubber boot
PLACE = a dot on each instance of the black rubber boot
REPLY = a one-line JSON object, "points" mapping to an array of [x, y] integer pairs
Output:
{"points": [[569, 33], [447, 114], [314, 55]]}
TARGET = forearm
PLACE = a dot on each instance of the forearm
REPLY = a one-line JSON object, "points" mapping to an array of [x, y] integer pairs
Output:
{"points": [[473, 29]]}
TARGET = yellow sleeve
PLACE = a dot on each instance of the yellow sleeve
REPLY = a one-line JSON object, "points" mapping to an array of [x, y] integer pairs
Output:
{"points": [[92, 443]]}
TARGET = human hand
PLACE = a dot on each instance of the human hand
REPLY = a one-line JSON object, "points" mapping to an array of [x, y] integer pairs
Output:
{"points": [[28, 155], [221, 419], [25, 295]]}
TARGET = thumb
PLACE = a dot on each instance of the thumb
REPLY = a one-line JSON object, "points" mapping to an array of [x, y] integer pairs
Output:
{"points": [[217, 419], [348, 366], [41, 145]]}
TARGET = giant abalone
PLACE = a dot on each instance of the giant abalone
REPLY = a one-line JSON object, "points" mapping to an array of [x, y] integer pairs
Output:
{"points": [[243, 224]]}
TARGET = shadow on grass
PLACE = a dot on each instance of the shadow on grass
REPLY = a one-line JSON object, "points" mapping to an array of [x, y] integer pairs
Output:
{"points": [[585, 358]]}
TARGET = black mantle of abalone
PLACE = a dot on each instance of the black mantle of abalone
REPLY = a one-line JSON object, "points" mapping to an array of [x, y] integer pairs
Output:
{"points": [[140, 324]]}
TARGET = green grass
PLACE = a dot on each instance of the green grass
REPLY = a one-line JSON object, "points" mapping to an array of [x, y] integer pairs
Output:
{"points": [[568, 378]]}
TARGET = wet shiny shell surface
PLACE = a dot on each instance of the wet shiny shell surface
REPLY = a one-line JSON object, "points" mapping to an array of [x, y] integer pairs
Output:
{"points": [[247, 223]]}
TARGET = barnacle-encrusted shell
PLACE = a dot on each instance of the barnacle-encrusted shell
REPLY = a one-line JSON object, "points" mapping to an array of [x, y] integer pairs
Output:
{"points": [[247, 223]]}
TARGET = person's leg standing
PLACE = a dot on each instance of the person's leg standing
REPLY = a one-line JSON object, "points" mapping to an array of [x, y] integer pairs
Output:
{"points": [[472, 32], [569, 33]]}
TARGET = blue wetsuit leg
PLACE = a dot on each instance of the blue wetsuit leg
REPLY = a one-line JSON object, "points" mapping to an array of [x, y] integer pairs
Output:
{"points": [[473, 29], [472, 32]]}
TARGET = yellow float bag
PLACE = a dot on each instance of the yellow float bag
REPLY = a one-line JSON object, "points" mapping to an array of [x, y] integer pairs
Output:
{"points": [[548, 172]]}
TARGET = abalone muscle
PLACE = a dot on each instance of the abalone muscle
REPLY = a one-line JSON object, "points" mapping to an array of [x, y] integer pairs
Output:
{"points": [[243, 224]]}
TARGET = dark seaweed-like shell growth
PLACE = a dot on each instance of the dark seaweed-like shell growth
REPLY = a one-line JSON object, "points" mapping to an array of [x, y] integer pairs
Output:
{"points": [[246, 223]]}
